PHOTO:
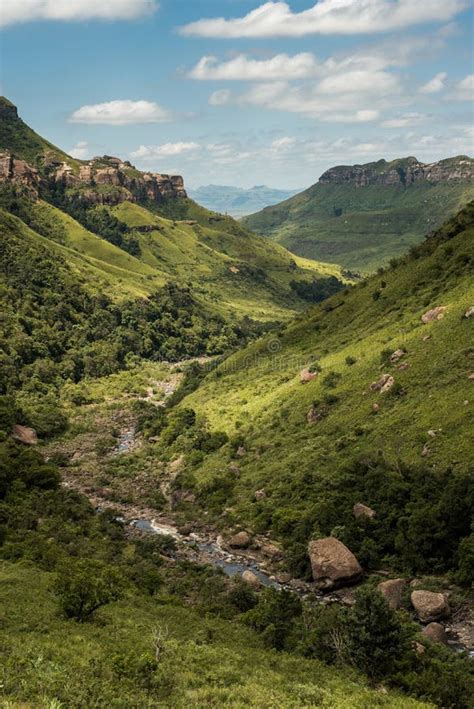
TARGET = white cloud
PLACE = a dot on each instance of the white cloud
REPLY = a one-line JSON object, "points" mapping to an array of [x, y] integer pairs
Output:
{"points": [[281, 145], [220, 98], [242, 68], [120, 113], [150, 152], [407, 119], [80, 150], [14, 11], [362, 80], [464, 89], [276, 19], [435, 84]]}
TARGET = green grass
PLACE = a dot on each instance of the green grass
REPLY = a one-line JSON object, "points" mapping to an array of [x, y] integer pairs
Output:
{"points": [[374, 223], [50, 662]]}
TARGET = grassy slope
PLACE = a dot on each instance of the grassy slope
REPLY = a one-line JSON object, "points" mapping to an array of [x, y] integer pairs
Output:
{"points": [[376, 224], [258, 393], [210, 663]]}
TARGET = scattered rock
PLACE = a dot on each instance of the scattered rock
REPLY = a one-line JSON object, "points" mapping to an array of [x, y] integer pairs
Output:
{"points": [[333, 564], [185, 529], [314, 414], [403, 366], [24, 434], [307, 376], [393, 592], [397, 355], [251, 579], [419, 648], [375, 408], [241, 451], [434, 314], [385, 383], [240, 541], [426, 451], [471, 376], [234, 269], [234, 468], [283, 578], [271, 551], [361, 510], [425, 338], [470, 312], [260, 495], [429, 606], [436, 633]]}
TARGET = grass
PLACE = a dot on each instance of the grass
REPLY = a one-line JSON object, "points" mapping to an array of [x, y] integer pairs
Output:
{"points": [[51, 662], [359, 228]]}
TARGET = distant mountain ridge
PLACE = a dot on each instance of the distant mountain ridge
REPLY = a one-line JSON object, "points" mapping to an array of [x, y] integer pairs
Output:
{"points": [[360, 216], [238, 201]]}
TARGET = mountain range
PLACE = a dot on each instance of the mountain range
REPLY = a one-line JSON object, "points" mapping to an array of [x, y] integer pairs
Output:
{"points": [[361, 216], [237, 201]]}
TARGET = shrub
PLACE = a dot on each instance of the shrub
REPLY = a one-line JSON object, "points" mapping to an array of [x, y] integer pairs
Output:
{"points": [[350, 360], [331, 380]]}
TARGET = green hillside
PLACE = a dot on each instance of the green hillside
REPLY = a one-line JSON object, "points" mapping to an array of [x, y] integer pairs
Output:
{"points": [[361, 228]]}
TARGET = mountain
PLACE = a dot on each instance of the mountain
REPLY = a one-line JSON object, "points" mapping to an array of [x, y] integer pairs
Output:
{"points": [[237, 201], [128, 232], [361, 216]]}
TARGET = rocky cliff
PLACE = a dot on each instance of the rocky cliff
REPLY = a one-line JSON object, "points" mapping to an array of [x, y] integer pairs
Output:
{"points": [[401, 173], [19, 173]]}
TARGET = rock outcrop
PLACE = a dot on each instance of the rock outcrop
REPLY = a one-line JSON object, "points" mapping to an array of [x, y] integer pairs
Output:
{"points": [[385, 383], [333, 564], [434, 314], [393, 590], [20, 173], [429, 606], [401, 173]]}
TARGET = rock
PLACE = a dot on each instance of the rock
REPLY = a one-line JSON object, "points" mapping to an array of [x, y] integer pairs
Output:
{"points": [[19, 173], [314, 414], [24, 434], [426, 451], [375, 408], [385, 383], [283, 578], [435, 633], [434, 314], [251, 579], [395, 356], [234, 468], [260, 495], [241, 451], [240, 541], [431, 433], [307, 376], [185, 529], [393, 592], [271, 551], [403, 366], [220, 540], [429, 606], [419, 648], [333, 564], [470, 376], [470, 312], [361, 510], [425, 338]]}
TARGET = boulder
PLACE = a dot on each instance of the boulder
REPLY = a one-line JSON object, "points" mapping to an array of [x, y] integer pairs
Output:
{"points": [[251, 579], [434, 314], [333, 564], [241, 451], [260, 495], [429, 606], [435, 633], [393, 592], [375, 408], [241, 540], [271, 551], [385, 383], [24, 434], [361, 510], [307, 376], [470, 312], [397, 355]]}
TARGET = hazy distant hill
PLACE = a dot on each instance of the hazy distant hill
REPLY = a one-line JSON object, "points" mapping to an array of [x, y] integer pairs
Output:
{"points": [[237, 201], [360, 216]]}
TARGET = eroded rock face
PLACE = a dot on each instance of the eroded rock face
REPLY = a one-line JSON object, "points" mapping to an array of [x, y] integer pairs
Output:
{"points": [[333, 564], [435, 633], [19, 172], [434, 314], [429, 606], [241, 540], [393, 591], [401, 173], [24, 434]]}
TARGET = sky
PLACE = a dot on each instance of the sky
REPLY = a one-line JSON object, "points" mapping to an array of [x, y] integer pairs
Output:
{"points": [[243, 92]]}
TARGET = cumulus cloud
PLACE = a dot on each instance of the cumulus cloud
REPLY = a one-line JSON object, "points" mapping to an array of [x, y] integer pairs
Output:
{"points": [[15, 11], [80, 150], [407, 119], [220, 98], [244, 68], [276, 19], [435, 84], [464, 89], [150, 152], [120, 113]]}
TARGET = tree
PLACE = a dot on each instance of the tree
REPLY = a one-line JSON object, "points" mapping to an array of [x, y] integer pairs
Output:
{"points": [[86, 585], [378, 640]]}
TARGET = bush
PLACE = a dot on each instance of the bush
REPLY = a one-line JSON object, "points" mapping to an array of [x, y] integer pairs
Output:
{"points": [[85, 585], [350, 360]]}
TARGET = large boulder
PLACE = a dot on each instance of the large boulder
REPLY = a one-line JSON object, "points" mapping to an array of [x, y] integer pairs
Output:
{"points": [[24, 434], [434, 314], [361, 510], [393, 592], [251, 579], [307, 376], [429, 606], [241, 540], [333, 564], [435, 633]]}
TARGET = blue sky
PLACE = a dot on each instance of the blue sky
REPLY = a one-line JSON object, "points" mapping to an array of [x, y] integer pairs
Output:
{"points": [[243, 92]]}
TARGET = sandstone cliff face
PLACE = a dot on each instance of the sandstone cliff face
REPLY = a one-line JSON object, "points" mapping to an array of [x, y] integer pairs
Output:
{"points": [[401, 173], [19, 173]]}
